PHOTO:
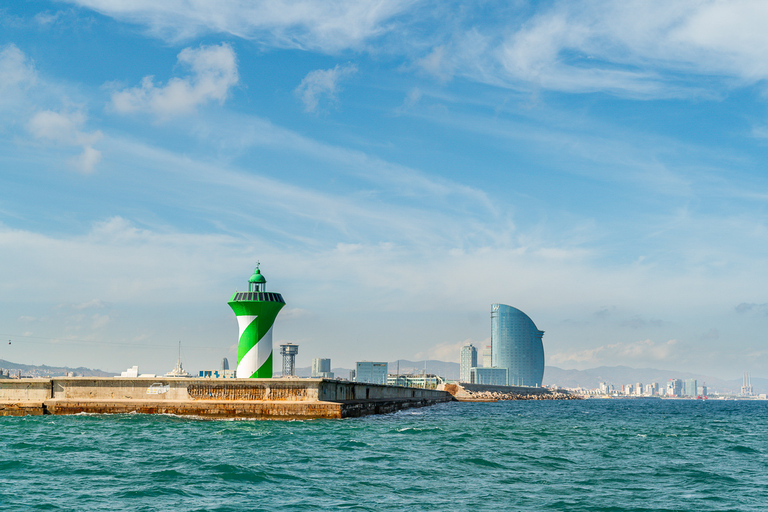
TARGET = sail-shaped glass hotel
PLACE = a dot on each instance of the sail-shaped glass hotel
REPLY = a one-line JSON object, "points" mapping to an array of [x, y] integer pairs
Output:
{"points": [[517, 346]]}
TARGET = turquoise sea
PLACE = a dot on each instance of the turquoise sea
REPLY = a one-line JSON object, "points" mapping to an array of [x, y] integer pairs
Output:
{"points": [[591, 455]]}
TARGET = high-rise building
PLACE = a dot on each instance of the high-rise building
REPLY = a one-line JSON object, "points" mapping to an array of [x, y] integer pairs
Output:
{"points": [[371, 372], [468, 361], [675, 387], [321, 368], [256, 311], [516, 344], [690, 387]]}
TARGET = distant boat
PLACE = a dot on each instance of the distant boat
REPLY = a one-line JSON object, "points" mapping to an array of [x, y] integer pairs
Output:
{"points": [[178, 370]]}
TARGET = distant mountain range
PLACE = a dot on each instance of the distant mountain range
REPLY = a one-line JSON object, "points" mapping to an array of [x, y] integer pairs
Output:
{"points": [[553, 376], [29, 370]]}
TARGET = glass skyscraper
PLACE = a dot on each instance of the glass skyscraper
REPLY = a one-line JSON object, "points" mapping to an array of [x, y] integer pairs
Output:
{"points": [[516, 345], [467, 362]]}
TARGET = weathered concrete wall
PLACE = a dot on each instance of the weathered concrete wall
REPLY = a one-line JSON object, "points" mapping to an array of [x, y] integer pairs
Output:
{"points": [[161, 389], [252, 398], [25, 390], [26, 408], [201, 408], [230, 389], [341, 391]]}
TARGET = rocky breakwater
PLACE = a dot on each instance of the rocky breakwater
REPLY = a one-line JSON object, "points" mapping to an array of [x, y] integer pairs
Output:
{"points": [[497, 393]]}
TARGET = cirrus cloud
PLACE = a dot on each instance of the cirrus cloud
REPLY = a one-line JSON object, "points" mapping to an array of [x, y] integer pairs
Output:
{"points": [[307, 24], [322, 83]]}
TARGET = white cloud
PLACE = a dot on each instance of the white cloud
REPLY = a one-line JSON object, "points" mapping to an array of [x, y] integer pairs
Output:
{"points": [[91, 304], [411, 100], [22, 96], [64, 128], [438, 64], [56, 126], [47, 18], [632, 353], [99, 322], [17, 75], [328, 26], [322, 83], [214, 73], [87, 160]]}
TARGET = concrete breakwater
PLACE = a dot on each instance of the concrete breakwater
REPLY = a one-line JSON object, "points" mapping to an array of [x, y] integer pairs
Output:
{"points": [[230, 398]]}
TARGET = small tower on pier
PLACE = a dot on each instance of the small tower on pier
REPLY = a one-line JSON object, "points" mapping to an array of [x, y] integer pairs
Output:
{"points": [[289, 351]]}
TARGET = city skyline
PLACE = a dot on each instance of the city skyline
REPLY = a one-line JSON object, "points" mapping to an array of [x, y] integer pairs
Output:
{"points": [[396, 167]]}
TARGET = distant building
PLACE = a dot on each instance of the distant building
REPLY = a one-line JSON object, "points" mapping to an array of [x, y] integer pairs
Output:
{"points": [[225, 364], [487, 360], [490, 376], [675, 387], [131, 372], [468, 361], [690, 388], [516, 344], [371, 372], [217, 374], [321, 368], [746, 385], [429, 381]]}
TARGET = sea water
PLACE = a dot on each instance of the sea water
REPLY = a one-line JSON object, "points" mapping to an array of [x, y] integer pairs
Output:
{"points": [[590, 455]]}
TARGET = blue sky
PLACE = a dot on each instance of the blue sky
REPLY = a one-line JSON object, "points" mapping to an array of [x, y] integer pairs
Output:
{"points": [[396, 167]]}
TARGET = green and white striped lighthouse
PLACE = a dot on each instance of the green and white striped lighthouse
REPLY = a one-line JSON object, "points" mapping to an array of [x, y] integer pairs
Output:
{"points": [[256, 311]]}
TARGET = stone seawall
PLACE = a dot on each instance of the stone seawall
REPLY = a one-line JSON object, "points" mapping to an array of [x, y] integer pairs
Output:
{"points": [[215, 398], [465, 392]]}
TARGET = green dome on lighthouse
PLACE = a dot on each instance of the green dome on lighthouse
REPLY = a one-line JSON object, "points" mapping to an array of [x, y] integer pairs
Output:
{"points": [[257, 277]]}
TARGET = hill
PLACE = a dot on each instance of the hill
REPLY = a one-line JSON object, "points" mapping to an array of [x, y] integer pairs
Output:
{"points": [[29, 370]]}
